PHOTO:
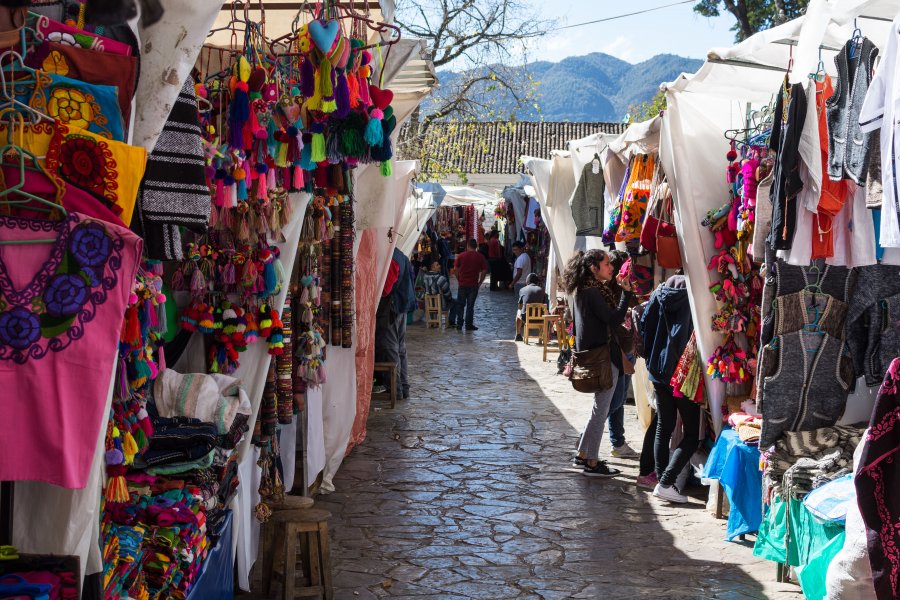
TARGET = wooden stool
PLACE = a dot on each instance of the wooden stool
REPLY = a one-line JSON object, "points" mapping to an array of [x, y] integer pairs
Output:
{"points": [[433, 310], [391, 370], [534, 319], [551, 323], [309, 527]]}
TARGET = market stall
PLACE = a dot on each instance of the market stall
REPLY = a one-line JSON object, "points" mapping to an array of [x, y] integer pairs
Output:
{"points": [[204, 332]]}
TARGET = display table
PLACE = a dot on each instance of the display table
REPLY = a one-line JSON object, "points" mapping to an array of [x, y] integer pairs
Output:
{"points": [[216, 580], [790, 534], [736, 466]]}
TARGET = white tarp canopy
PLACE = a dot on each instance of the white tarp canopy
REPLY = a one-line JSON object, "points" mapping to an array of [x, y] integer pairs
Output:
{"points": [[422, 203], [462, 195], [702, 106]]}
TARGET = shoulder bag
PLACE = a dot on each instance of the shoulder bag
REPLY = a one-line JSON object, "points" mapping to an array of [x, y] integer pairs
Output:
{"points": [[591, 370], [668, 251]]}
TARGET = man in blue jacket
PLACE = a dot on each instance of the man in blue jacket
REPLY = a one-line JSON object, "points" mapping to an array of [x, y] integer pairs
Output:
{"points": [[404, 298]]}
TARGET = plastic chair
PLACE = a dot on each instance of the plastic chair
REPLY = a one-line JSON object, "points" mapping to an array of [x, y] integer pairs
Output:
{"points": [[534, 319]]}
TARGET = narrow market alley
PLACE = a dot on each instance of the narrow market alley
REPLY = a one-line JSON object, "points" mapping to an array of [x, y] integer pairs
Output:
{"points": [[464, 491]]}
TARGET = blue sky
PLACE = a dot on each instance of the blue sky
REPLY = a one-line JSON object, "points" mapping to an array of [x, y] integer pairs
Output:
{"points": [[674, 30]]}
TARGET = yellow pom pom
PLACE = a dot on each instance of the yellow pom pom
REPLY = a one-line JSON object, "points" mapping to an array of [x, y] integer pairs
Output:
{"points": [[243, 69]]}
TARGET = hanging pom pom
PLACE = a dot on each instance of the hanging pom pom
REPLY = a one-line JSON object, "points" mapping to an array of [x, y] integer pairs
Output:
{"points": [[129, 448], [342, 96], [374, 135], [116, 487], [353, 90], [386, 168], [363, 89], [307, 78], [318, 143], [326, 79], [238, 115], [240, 178], [298, 182], [261, 182], [270, 179], [220, 187]]}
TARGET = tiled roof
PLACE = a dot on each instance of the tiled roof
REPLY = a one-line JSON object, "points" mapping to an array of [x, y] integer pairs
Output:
{"points": [[495, 147]]}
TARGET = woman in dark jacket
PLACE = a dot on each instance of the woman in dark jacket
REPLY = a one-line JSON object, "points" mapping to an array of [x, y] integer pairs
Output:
{"points": [[594, 319], [666, 326]]}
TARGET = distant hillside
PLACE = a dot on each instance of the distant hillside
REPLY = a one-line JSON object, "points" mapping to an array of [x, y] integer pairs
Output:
{"points": [[594, 87]]}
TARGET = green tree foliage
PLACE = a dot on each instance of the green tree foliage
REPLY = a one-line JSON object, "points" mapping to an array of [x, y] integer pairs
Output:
{"points": [[649, 109], [753, 16]]}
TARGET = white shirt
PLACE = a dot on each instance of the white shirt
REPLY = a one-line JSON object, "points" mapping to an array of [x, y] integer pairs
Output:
{"points": [[522, 262], [879, 111]]}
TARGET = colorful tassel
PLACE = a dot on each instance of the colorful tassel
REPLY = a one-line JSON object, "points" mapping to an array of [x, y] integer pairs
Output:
{"points": [[342, 96]]}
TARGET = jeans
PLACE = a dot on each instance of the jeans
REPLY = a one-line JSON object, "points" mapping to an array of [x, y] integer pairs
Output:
{"points": [[668, 408], [593, 429], [465, 303], [400, 328], [648, 460], [617, 412]]}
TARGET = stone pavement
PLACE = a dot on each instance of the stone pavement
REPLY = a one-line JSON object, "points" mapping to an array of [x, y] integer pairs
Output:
{"points": [[464, 492]]}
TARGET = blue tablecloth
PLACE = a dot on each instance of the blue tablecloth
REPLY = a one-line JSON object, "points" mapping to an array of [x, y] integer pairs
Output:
{"points": [[216, 580], [736, 466]]}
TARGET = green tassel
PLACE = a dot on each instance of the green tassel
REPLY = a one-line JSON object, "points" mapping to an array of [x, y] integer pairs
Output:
{"points": [[318, 148], [140, 438], [352, 143], [329, 106], [386, 168]]}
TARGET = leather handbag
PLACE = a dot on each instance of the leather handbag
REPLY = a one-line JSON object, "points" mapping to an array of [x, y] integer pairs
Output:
{"points": [[668, 250], [591, 370], [651, 219]]}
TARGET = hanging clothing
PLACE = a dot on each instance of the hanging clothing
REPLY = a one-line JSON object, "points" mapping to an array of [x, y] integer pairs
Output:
{"points": [[90, 66], [59, 332], [808, 377], [848, 143], [110, 171], [587, 201], [50, 29], [874, 284], [833, 193], [790, 112], [77, 104], [877, 481], [762, 224], [637, 195], [877, 110], [174, 192]]}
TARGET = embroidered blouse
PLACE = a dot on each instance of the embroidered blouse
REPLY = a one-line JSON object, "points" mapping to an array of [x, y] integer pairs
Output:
{"points": [[61, 310], [108, 170], [75, 103]]}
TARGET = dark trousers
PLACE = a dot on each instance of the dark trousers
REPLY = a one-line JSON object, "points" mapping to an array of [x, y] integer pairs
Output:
{"points": [[668, 408], [445, 266], [648, 460], [464, 306]]}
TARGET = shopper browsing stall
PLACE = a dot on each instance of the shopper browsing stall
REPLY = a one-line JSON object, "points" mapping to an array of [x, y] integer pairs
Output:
{"points": [[471, 269]]}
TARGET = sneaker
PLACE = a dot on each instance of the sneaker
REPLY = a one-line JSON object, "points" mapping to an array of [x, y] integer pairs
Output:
{"points": [[623, 451], [379, 389], [601, 469], [647, 481], [518, 338], [578, 462], [471, 328], [669, 493]]}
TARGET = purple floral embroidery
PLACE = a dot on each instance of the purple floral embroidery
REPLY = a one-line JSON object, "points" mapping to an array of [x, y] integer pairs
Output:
{"points": [[65, 295], [90, 245], [19, 328]]}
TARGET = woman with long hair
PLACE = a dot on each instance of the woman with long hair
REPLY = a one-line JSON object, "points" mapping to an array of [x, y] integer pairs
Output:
{"points": [[594, 319]]}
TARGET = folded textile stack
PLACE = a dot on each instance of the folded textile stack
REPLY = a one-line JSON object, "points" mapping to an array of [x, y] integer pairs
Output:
{"points": [[805, 460]]}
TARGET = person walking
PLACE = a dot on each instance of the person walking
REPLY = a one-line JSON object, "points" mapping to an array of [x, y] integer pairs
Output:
{"points": [[594, 320], [404, 298], [666, 326], [532, 293], [471, 269], [499, 268], [616, 419], [444, 253], [521, 268]]}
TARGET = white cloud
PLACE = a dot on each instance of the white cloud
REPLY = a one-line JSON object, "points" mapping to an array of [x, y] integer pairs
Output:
{"points": [[622, 47]]}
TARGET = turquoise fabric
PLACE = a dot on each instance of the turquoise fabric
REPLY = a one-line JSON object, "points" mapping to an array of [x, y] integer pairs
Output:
{"points": [[813, 576], [736, 466], [770, 542]]}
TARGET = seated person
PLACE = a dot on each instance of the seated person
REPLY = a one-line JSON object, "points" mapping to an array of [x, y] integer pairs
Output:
{"points": [[436, 283], [532, 293]]}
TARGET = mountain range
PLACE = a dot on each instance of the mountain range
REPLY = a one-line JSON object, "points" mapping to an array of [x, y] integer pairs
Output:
{"points": [[593, 87]]}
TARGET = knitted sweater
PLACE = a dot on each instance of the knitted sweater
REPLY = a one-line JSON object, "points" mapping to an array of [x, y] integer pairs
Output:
{"points": [[587, 202]]}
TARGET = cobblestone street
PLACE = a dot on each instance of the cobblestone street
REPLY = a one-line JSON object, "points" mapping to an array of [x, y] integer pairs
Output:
{"points": [[464, 491]]}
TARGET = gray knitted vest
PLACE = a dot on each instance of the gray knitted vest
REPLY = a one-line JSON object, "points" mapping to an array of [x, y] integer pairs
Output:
{"points": [[587, 202], [848, 146], [803, 390]]}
